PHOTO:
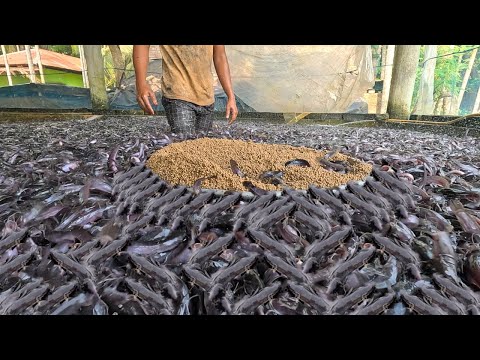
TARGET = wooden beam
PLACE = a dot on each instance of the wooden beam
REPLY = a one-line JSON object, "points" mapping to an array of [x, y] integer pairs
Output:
{"points": [[84, 66], [31, 69], [383, 53], [7, 67], [39, 64], [404, 73], [387, 76], [96, 76]]}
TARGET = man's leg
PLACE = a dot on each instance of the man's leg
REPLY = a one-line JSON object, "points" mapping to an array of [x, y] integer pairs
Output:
{"points": [[204, 118], [181, 115]]}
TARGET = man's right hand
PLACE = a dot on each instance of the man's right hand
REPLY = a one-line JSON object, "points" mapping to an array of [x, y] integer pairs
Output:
{"points": [[144, 94]]}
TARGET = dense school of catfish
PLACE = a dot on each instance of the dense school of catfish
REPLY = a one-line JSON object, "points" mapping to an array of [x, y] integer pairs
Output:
{"points": [[87, 228]]}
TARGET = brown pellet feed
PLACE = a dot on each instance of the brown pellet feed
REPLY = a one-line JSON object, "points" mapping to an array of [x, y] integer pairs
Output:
{"points": [[185, 162]]}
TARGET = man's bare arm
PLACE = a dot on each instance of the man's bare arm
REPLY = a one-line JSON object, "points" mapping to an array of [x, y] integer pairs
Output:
{"points": [[144, 92], [223, 71]]}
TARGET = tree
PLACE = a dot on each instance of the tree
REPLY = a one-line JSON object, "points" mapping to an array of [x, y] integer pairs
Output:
{"points": [[118, 63]]}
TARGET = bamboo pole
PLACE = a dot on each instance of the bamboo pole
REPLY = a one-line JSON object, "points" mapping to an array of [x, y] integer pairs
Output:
{"points": [[387, 80], [30, 64], [40, 65], [84, 66], [7, 67], [384, 61]]}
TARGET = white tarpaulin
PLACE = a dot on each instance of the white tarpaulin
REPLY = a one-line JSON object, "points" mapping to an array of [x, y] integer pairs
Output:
{"points": [[300, 78]]}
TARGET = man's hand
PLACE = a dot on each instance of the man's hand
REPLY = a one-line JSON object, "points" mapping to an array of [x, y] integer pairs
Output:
{"points": [[232, 110], [144, 94], [223, 71], [144, 91]]}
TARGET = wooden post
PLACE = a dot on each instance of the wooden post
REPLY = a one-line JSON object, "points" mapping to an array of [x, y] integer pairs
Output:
{"points": [[96, 76], [7, 67], [84, 66], [465, 79], [383, 62], [403, 81], [18, 47], [39, 64], [30, 64], [387, 76]]}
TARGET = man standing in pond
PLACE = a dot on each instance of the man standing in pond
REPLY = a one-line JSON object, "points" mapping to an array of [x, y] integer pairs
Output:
{"points": [[187, 84]]}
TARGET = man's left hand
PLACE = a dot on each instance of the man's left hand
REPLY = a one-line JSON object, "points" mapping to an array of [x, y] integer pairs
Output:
{"points": [[232, 110]]}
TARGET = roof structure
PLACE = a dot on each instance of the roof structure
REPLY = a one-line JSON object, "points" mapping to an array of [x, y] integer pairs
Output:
{"points": [[18, 61]]}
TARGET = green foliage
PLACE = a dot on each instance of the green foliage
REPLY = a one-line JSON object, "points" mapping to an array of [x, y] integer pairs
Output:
{"points": [[64, 49], [127, 52], [449, 70], [75, 51]]}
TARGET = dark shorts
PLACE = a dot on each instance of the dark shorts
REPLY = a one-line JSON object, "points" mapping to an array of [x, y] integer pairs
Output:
{"points": [[187, 118]]}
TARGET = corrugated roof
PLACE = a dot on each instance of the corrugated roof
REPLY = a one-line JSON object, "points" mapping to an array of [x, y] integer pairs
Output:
{"points": [[50, 59]]}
